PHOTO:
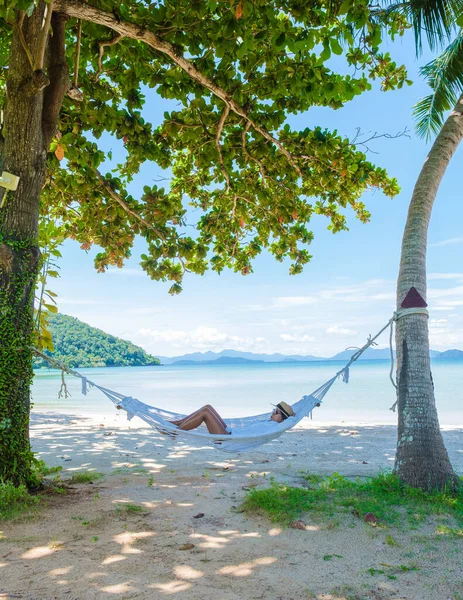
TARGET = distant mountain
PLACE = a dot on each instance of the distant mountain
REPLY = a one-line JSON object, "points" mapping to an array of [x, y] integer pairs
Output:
{"points": [[223, 360], [458, 354], [235, 356], [80, 345], [369, 354], [202, 357]]}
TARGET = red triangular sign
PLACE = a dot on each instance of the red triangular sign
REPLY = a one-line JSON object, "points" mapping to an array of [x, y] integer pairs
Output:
{"points": [[413, 300]]}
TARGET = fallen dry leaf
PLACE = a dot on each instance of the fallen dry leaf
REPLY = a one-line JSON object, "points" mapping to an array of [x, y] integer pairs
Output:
{"points": [[297, 525], [187, 547], [248, 487], [370, 518]]}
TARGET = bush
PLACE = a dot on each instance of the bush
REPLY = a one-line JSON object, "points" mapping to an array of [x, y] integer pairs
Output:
{"points": [[15, 500]]}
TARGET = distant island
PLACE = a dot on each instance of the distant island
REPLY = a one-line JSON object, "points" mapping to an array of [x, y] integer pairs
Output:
{"points": [[237, 357], [80, 345], [222, 360]]}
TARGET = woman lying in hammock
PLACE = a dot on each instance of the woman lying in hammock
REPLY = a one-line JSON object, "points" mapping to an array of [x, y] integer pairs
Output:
{"points": [[215, 424]]}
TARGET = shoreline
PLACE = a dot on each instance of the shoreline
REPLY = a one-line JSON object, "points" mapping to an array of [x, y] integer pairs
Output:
{"points": [[446, 419], [363, 448]]}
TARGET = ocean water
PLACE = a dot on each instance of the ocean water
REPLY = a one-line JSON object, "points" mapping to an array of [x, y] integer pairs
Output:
{"points": [[246, 389]]}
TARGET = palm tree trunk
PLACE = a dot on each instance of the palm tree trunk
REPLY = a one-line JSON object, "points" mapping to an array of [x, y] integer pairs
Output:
{"points": [[421, 460]]}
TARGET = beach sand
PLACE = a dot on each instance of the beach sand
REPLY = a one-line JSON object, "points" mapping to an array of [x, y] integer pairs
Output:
{"points": [[189, 541]]}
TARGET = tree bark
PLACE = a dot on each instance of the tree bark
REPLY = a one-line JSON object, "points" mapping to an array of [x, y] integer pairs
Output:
{"points": [[421, 460], [24, 153]]}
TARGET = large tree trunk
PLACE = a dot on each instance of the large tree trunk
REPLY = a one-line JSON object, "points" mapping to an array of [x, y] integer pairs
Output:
{"points": [[422, 460], [23, 154]]}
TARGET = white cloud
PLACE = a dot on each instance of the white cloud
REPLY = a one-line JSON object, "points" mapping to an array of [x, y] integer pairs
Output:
{"points": [[203, 338], [288, 301], [386, 282], [446, 338], [286, 337], [445, 293], [449, 242], [434, 276], [340, 331], [372, 289]]}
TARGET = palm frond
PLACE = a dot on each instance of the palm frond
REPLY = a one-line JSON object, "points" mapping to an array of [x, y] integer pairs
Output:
{"points": [[445, 77], [433, 19]]}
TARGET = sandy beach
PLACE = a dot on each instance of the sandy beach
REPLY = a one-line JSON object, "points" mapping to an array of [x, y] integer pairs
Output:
{"points": [[190, 541]]}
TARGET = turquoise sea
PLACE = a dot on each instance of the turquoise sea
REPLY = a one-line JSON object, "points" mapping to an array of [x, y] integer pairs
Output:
{"points": [[246, 389]]}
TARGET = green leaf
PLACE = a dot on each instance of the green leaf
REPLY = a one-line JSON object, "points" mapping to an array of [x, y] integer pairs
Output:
{"points": [[335, 46], [326, 52], [345, 6], [51, 308], [280, 40], [30, 9]]}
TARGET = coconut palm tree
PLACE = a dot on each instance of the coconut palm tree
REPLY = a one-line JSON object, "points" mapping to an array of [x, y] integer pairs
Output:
{"points": [[422, 459]]}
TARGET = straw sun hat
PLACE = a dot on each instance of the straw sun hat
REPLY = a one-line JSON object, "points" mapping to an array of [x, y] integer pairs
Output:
{"points": [[285, 409]]}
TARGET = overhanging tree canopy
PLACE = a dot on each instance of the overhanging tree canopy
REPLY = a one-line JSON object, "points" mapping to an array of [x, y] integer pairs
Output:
{"points": [[237, 71]]}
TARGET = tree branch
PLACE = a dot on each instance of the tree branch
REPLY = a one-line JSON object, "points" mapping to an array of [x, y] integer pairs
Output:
{"points": [[77, 60], [115, 196], [19, 26], [40, 58], [223, 118], [59, 77], [246, 153], [102, 46], [356, 140], [81, 10]]}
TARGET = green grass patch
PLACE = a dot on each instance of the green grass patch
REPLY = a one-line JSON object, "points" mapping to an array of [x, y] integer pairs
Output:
{"points": [[87, 477], [135, 470], [15, 501], [42, 470], [390, 541], [453, 532], [385, 496], [391, 571], [126, 509]]}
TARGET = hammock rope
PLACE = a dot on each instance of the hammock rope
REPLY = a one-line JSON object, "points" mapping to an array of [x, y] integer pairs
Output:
{"points": [[239, 441]]}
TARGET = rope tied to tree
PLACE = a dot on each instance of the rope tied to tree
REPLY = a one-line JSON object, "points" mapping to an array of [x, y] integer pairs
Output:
{"points": [[398, 314], [344, 372]]}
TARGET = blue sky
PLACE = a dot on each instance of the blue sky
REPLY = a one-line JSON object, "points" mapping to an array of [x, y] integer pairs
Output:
{"points": [[345, 293]]}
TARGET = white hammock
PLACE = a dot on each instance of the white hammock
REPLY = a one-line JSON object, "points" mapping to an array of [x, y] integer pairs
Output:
{"points": [[239, 440]]}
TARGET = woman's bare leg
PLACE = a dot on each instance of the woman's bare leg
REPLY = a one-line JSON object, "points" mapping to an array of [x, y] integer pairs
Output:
{"points": [[207, 415], [218, 417], [179, 422]]}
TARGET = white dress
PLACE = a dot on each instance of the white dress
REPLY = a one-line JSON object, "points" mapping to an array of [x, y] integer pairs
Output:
{"points": [[259, 428]]}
